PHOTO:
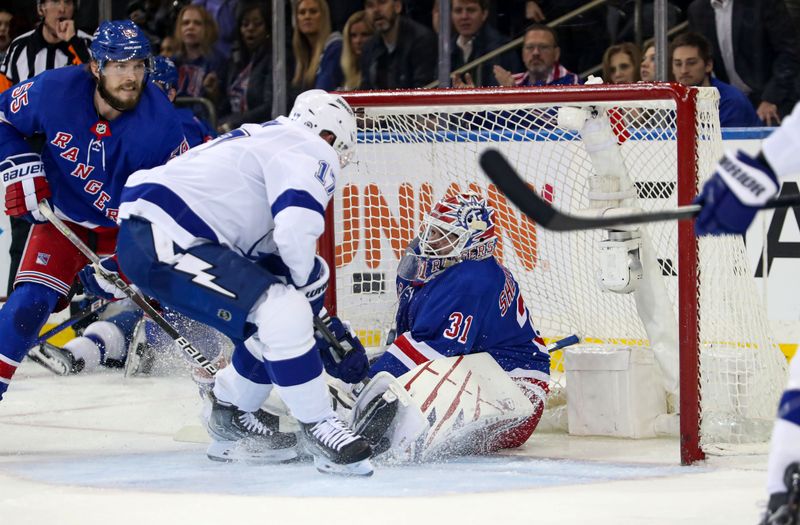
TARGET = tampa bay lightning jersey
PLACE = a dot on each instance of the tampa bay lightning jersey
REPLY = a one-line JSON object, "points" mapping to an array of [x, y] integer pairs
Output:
{"points": [[86, 158], [260, 190], [471, 307]]}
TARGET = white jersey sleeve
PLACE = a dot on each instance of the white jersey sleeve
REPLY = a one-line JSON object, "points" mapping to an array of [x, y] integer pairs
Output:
{"points": [[780, 148], [299, 183]]}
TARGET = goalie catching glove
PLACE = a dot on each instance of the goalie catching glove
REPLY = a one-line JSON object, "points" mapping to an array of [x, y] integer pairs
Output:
{"points": [[345, 357], [740, 186], [26, 185], [99, 285]]}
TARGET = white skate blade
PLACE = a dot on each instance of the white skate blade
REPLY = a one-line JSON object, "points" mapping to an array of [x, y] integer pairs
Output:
{"points": [[360, 468], [237, 451]]}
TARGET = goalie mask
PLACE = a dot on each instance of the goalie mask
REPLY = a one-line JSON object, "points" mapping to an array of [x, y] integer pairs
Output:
{"points": [[321, 111], [458, 228]]}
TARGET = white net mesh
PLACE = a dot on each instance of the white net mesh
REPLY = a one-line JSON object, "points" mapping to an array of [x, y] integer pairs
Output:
{"points": [[409, 157]]}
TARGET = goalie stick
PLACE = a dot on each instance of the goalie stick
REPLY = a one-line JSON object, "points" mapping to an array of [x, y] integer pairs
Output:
{"points": [[506, 178], [134, 295]]}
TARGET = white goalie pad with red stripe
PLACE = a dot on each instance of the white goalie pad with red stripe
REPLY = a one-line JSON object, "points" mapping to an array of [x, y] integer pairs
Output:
{"points": [[451, 405]]}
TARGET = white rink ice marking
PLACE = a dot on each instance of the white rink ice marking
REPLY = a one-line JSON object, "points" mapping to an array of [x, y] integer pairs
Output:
{"points": [[98, 449]]}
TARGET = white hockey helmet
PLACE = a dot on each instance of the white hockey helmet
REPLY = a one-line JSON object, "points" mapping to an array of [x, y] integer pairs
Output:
{"points": [[321, 111]]}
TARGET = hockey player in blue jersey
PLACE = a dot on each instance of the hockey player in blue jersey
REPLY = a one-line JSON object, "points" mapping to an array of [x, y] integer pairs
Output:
{"points": [[165, 76], [456, 299], [740, 186], [226, 234], [101, 123]]}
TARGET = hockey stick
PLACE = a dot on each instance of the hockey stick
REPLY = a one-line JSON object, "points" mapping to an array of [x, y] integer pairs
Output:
{"points": [[125, 288], [94, 307], [563, 343], [505, 177]]}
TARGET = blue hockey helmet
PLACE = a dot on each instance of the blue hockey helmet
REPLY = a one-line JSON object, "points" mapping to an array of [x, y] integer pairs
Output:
{"points": [[164, 72], [118, 41]]}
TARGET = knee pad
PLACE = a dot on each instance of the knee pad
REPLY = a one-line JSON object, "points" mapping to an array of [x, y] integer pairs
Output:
{"points": [[284, 323], [109, 339], [83, 348]]}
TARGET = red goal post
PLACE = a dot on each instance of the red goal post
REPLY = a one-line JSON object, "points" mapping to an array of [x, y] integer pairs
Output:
{"points": [[416, 146]]}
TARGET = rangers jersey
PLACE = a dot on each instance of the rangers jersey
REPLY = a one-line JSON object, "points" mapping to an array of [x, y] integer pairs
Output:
{"points": [[86, 159], [473, 306], [260, 190]]}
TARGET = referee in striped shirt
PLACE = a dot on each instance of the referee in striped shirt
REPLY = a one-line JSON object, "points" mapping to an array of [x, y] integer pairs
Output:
{"points": [[52, 44]]}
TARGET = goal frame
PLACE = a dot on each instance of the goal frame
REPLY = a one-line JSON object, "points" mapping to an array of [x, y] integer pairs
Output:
{"points": [[685, 100]]}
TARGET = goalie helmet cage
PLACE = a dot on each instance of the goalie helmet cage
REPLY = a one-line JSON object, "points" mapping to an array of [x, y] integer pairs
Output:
{"points": [[415, 147]]}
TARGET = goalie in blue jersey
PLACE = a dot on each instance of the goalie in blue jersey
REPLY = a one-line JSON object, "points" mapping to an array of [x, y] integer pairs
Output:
{"points": [[466, 352]]}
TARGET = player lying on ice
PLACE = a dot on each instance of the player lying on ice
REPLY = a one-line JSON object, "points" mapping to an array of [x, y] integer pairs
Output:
{"points": [[730, 199]]}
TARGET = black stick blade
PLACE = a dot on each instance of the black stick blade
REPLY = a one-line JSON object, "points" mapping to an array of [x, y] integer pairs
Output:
{"points": [[537, 209], [505, 177]]}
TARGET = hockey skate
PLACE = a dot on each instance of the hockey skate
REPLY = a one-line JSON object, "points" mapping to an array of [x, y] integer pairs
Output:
{"points": [[375, 419], [337, 449], [60, 361], [783, 508], [251, 437], [141, 355]]}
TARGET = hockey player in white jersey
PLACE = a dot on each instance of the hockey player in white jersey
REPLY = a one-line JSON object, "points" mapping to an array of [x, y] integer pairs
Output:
{"points": [[740, 186], [227, 236]]}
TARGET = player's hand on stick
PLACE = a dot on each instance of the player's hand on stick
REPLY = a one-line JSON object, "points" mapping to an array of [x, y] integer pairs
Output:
{"points": [[100, 283], [740, 186], [317, 285], [26, 185], [351, 367]]}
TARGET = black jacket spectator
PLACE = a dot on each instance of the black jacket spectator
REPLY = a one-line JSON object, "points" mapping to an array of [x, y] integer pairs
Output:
{"points": [[487, 39], [412, 64], [765, 48]]}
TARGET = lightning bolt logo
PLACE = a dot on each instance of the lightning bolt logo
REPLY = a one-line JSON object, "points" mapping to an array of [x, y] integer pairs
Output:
{"points": [[191, 265]]}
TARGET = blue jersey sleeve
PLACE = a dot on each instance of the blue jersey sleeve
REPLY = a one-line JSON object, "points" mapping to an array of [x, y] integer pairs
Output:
{"points": [[19, 117]]}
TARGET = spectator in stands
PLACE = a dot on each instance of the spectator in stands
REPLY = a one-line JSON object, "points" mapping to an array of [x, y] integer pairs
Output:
{"points": [[755, 48], [357, 32], [5, 30], [168, 47], [201, 70], [224, 13], [582, 39], [692, 65], [647, 69], [621, 64], [401, 54], [317, 50], [53, 43], [473, 38], [540, 53], [250, 87]]}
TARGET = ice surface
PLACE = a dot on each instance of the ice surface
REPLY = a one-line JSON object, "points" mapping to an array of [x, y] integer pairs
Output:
{"points": [[100, 449]]}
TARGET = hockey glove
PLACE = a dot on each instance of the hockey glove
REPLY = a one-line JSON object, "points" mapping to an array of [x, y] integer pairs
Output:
{"points": [[730, 199], [26, 185], [100, 286], [317, 285], [351, 367]]}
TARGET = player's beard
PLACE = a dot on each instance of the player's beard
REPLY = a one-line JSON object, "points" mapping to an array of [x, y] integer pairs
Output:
{"points": [[115, 102]]}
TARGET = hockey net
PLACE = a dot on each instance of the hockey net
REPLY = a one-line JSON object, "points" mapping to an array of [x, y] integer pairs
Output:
{"points": [[416, 147]]}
